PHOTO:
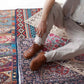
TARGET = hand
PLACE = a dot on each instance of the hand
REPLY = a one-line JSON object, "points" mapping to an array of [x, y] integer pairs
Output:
{"points": [[41, 29]]}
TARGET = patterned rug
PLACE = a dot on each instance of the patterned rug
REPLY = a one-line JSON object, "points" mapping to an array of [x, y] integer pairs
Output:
{"points": [[8, 48], [68, 72], [50, 73], [12, 26]]}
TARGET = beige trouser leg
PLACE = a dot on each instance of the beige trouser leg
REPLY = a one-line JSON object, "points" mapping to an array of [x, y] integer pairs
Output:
{"points": [[68, 51], [55, 16]]}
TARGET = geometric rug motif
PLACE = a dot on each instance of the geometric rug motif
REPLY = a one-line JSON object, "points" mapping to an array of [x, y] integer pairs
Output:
{"points": [[7, 29], [7, 38], [8, 67], [20, 26], [8, 51], [6, 62], [75, 64], [30, 30], [25, 30], [5, 77], [50, 73]]}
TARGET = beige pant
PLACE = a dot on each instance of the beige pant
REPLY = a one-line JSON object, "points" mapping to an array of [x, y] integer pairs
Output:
{"points": [[76, 34]]}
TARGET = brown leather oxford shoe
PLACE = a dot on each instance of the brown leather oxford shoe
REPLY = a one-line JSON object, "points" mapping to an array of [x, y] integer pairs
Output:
{"points": [[38, 61], [32, 51]]}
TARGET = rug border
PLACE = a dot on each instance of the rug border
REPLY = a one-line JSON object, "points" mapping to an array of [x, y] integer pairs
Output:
{"points": [[16, 48]]}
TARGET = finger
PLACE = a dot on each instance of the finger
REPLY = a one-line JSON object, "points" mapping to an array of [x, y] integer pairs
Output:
{"points": [[41, 34], [37, 31]]}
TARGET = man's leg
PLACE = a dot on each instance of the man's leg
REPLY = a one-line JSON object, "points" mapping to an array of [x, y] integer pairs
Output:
{"points": [[55, 12], [68, 51], [55, 17]]}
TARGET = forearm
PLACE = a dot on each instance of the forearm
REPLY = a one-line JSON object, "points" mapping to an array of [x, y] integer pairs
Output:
{"points": [[47, 7]]}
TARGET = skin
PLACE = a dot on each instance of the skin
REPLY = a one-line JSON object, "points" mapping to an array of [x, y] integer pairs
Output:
{"points": [[41, 29]]}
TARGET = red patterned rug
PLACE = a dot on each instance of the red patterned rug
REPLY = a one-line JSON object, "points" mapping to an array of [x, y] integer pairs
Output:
{"points": [[25, 30], [8, 48]]}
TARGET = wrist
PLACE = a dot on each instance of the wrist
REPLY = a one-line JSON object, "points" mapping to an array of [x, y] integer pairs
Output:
{"points": [[43, 21]]}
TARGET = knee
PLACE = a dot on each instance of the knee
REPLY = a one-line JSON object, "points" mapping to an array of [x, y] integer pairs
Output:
{"points": [[55, 16], [56, 6], [58, 15]]}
